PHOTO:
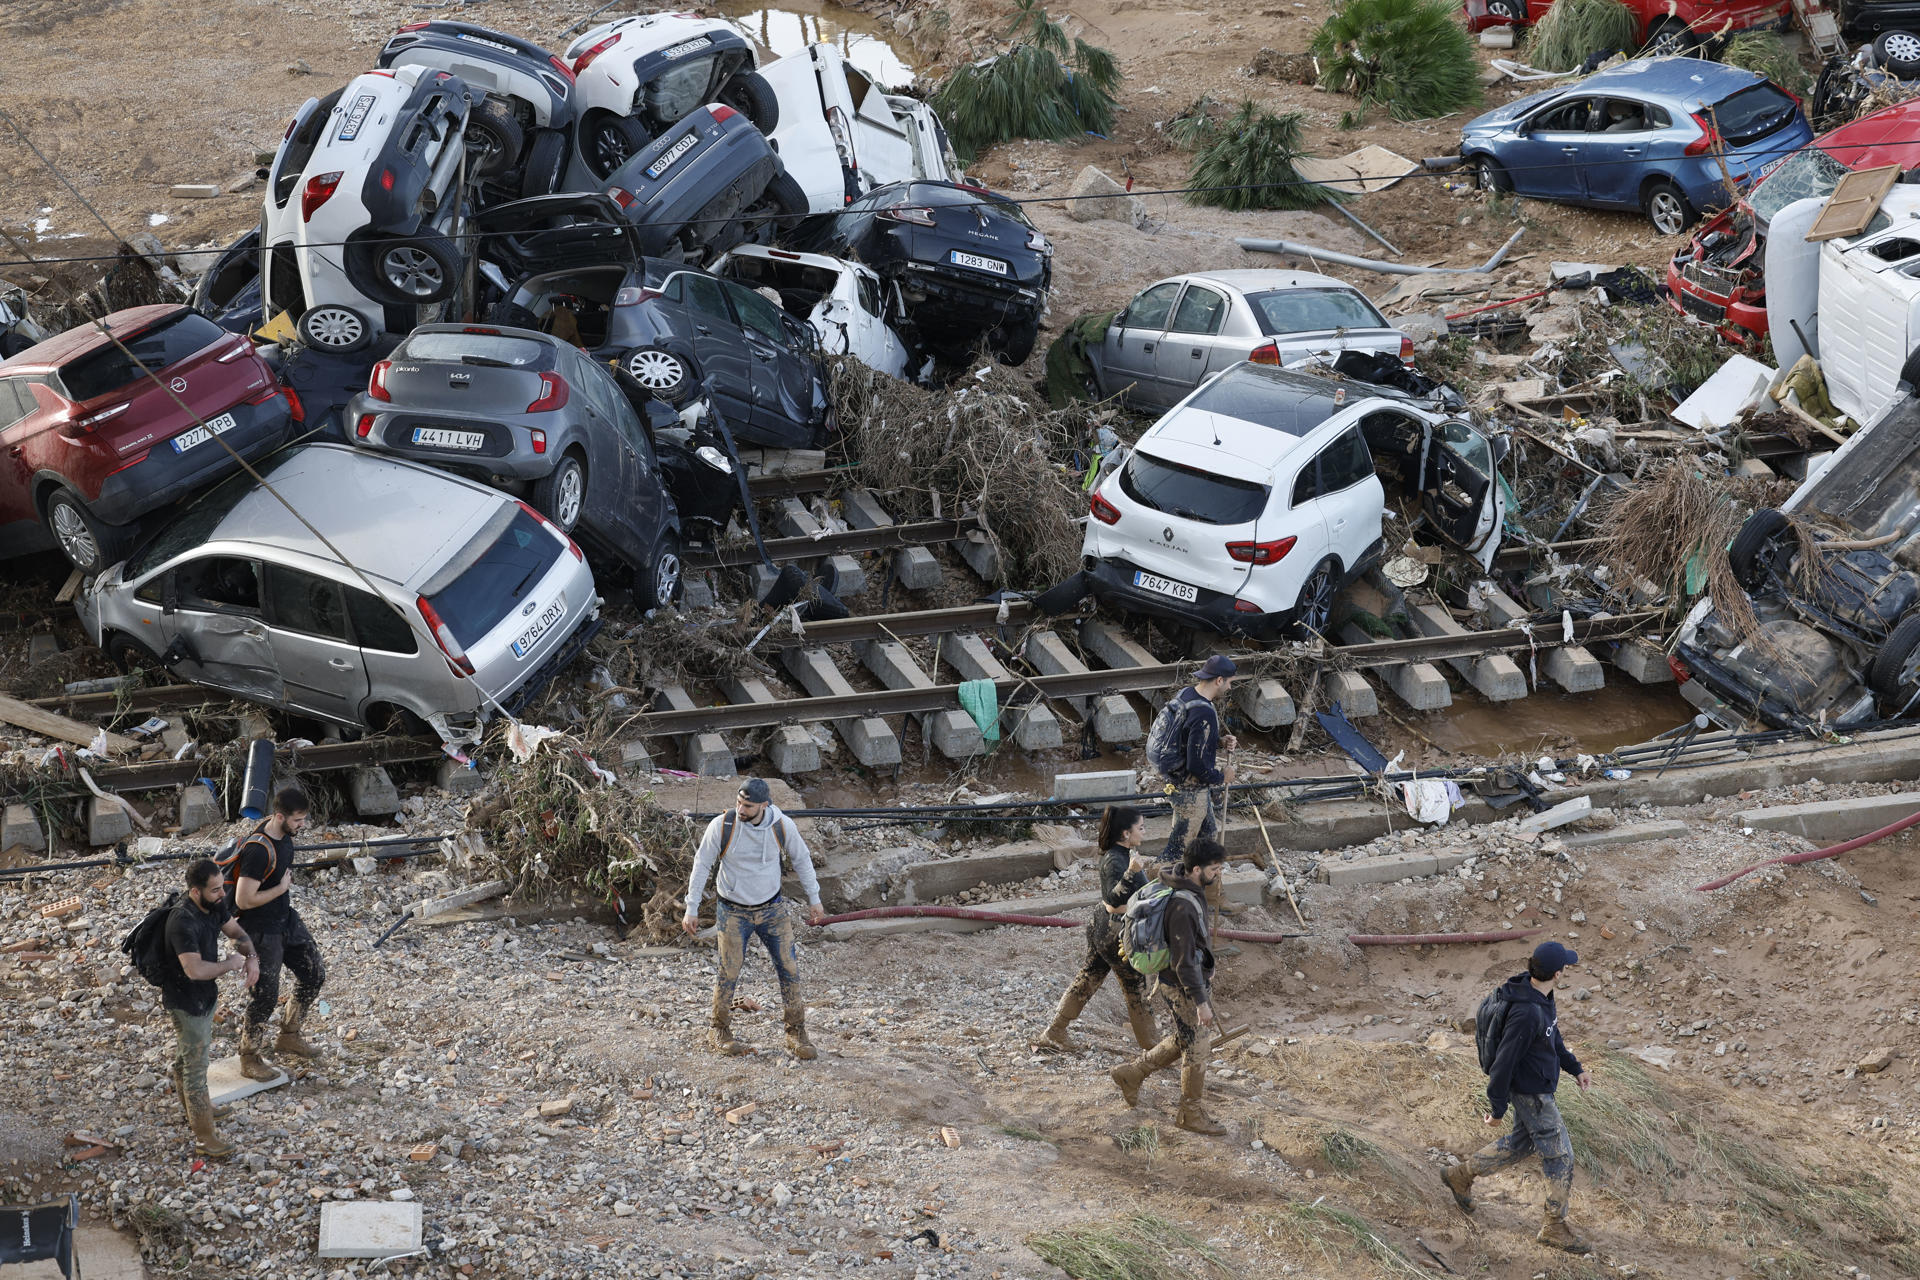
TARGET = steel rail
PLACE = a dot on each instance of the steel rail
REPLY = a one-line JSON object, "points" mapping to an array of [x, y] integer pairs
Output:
{"points": [[851, 542], [796, 484]]}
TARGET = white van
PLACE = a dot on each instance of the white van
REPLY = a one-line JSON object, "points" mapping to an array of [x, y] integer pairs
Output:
{"points": [[1869, 307]]}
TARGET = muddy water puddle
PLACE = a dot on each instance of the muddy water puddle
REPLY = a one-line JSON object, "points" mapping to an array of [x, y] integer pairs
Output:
{"points": [[1619, 715], [861, 40]]}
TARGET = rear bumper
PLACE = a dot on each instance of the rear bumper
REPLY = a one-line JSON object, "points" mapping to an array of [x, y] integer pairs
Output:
{"points": [[556, 662], [500, 454], [1111, 582], [976, 304], [164, 476]]}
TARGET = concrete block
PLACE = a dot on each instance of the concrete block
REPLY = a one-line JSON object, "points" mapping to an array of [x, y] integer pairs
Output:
{"points": [[1628, 833], [1753, 469], [20, 829], [1355, 696], [370, 788], [1559, 816], [1831, 821], [1569, 666], [953, 733], [981, 555], [1114, 648], [40, 647], [760, 579], [251, 725], [706, 754], [1382, 870], [790, 748], [697, 593], [634, 756], [173, 739], [872, 742], [198, 809], [1264, 702], [793, 519], [1050, 657], [774, 462], [1033, 724], [844, 576], [1494, 675], [915, 568], [225, 1083], [456, 779], [1084, 786], [1643, 660], [1007, 864], [369, 1228], [1115, 721], [1095, 194], [107, 822]]}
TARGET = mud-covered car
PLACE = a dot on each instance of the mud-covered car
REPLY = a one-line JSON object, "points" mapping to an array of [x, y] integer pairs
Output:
{"points": [[1831, 582]]}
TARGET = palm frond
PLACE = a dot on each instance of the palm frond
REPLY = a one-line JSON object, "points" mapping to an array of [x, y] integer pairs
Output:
{"points": [[1410, 56], [1249, 164]]}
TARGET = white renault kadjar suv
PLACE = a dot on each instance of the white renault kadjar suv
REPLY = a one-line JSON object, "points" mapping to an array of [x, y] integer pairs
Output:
{"points": [[1256, 499]]}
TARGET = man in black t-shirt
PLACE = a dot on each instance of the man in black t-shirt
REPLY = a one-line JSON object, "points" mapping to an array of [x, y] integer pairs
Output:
{"points": [[262, 883], [194, 930]]}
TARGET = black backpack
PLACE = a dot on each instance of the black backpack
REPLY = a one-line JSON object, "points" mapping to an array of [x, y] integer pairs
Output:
{"points": [[146, 945], [1489, 1024], [1167, 739]]}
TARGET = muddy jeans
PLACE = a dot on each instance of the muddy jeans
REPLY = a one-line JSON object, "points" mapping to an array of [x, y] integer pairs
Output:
{"points": [[193, 1036], [1103, 957], [1182, 1044], [773, 925], [1194, 816], [1537, 1126], [290, 948]]}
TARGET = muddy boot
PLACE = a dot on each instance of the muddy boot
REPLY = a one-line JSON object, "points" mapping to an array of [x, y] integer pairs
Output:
{"points": [[1130, 1077], [1055, 1037], [220, 1112], [1193, 1117], [290, 1039], [1554, 1230], [797, 1043], [252, 1065], [207, 1140], [722, 1034], [1459, 1180]]}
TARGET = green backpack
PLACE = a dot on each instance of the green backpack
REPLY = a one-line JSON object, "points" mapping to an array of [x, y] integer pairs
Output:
{"points": [[1143, 939]]}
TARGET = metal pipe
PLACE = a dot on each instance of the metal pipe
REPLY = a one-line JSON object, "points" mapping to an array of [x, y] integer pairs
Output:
{"points": [[259, 779], [1295, 249]]}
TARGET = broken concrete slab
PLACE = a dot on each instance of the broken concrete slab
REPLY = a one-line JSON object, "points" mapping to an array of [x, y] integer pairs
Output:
{"points": [[369, 1228], [1628, 833], [1830, 821], [371, 791], [1494, 675], [458, 779], [872, 742], [20, 829], [1381, 870], [427, 908], [225, 1083], [40, 647], [198, 809], [1242, 887], [1095, 195], [1033, 724], [1569, 666], [1093, 785], [1559, 816], [706, 754]]}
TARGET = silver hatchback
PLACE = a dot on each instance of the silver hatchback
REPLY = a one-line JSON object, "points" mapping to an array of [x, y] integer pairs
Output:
{"points": [[447, 600]]}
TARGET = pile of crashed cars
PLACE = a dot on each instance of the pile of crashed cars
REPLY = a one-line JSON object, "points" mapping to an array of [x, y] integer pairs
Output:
{"points": [[664, 239]]}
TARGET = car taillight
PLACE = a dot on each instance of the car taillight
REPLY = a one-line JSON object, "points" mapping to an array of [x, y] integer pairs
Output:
{"points": [[377, 381], [553, 394], [1708, 139], [364, 427], [94, 420], [721, 112], [918, 216], [298, 410], [263, 395], [585, 60], [1261, 552], [1406, 349], [632, 297], [1103, 511], [240, 348], [457, 659], [320, 189], [386, 179], [622, 197], [289, 132], [1268, 353], [1681, 671], [413, 26], [561, 67], [1245, 606], [556, 530], [539, 439], [492, 333]]}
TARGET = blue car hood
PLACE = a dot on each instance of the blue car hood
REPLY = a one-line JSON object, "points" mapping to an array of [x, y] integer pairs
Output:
{"points": [[1499, 116]]}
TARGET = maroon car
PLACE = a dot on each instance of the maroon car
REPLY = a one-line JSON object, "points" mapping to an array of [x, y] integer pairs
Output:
{"points": [[93, 443]]}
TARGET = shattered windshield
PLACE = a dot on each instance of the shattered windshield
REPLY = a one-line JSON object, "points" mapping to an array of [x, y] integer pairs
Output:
{"points": [[1804, 174]]}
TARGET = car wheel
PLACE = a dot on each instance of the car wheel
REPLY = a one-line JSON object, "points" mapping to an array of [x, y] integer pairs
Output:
{"points": [[416, 269], [657, 584], [128, 654], [1894, 673], [1509, 10], [1313, 610], [91, 543], [1756, 549], [334, 329], [667, 375], [494, 139], [1667, 208], [561, 494], [546, 162], [1669, 39], [787, 199], [1013, 343], [611, 141], [754, 98], [1489, 176], [1898, 52]]}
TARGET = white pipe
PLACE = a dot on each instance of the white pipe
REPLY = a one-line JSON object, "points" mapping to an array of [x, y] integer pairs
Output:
{"points": [[1296, 250]]}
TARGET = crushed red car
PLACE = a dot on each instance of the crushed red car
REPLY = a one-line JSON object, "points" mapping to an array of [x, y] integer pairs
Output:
{"points": [[93, 443], [1683, 21]]}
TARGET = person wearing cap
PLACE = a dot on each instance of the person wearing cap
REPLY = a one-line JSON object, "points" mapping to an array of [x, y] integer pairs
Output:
{"points": [[1184, 747], [747, 843], [1526, 1072]]}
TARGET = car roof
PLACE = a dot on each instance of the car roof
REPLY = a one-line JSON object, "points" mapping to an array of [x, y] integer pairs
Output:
{"points": [[1688, 78], [80, 339], [1890, 135], [1252, 280], [1292, 407], [767, 252]]}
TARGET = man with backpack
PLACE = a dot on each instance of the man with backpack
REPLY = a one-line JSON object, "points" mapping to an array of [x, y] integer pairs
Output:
{"points": [[747, 842], [1517, 1031], [192, 938], [261, 873], [1184, 749], [1166, 936]]}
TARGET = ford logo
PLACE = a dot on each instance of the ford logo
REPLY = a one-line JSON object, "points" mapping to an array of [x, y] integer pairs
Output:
{"points": [[178, 385], [526, 610]]}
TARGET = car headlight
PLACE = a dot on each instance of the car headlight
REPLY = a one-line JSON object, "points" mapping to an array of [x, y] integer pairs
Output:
{"points": [[715, 459]]}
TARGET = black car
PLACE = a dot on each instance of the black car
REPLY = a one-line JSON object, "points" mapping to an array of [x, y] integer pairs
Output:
{"points": [[578, 272], [968, 263], [708, 183]]}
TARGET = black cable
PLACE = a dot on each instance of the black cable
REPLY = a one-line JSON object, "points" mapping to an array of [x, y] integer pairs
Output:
{"points": [[19, 873]]}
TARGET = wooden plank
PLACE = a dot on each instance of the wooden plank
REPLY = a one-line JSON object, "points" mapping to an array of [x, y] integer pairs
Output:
{"points": [[24, 715], [430, 907], [1855, 199]]}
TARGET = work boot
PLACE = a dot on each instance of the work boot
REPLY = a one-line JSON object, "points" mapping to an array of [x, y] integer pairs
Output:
{"points": [[1554, 1230], [1193, 1117], [797, 1043], [220, 1112], [1129, 1077], [1459, 1180], [207, 1140], [252, 1065], [1055, 1037], [722, 1035], [290, 1039]]}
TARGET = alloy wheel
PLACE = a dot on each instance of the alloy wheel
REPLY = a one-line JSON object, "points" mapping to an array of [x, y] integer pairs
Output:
{"points": [[1316, 601], [570, 498], [666, 579], [1902, 46], [412, 272], [1664, 210], [335, 327], [75, 538], [610, 148]]}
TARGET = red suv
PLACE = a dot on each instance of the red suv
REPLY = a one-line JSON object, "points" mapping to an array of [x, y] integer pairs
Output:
{"points": [[1653, 20], [92, 443]]}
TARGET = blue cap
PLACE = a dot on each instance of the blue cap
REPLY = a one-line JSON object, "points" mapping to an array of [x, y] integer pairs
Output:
{"points": [[756, 791], [1555, 956], [1216, 667]]}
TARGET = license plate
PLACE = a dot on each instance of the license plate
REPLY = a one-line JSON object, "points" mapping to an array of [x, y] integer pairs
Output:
{"points": [[439, 438], [356, 116], [674, 152], [1165, 586], [200, 435], [531, 636], [686, 48], [977, 262]]}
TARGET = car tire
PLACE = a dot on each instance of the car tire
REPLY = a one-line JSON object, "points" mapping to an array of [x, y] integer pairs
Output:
{"points": [[1489, 176], [511, 315], [1667, 208], [89, 542], [1755, 548], [1313, 607], [754, 98], [609, 141], [1668, 39], [127, 654], [1014, 341], [787, 198], [494, 139], [561, 494], [1898, 52], [1514, 11], [334, 329], [658, 583], [667, 375], [546, 164], [414, 270], [1896, 668]]}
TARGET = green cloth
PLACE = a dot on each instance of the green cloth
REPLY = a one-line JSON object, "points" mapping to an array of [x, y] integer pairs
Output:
{"points": [[981, 700], [1069, 370]]}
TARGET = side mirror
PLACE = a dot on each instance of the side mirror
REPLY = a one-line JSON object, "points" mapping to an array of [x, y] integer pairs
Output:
{"points": [[1501, 446]]}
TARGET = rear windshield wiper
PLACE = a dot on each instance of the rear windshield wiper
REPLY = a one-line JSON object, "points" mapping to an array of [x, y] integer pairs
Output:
{"points": [[487, 362]]}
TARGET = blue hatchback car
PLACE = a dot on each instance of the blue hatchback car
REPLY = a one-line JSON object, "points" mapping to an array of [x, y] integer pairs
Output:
{"points": [[1648, 134]]}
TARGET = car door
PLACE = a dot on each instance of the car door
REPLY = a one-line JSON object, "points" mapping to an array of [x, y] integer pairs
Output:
{"points": [[1545, 156], [781, 378], [319, 664], [1460, 493], [1352, 501], [646, 508], [20, 525], [1191, 348], [389, 648], [1617, 152], [718, 345], [617, 479], [1126, 354], [214, 626]]}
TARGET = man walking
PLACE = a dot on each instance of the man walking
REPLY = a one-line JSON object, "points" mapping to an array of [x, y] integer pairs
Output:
{"points": [[1527, 1062], [1184, 989], [1184, 748], [194, 929], [747, 843], [262, 891]]}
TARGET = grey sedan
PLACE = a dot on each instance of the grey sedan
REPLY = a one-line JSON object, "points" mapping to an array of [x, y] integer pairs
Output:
{"points": [[1176, 332]]}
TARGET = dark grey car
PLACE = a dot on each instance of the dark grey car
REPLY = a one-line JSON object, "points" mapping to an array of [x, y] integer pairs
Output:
{"points": [[526, 411]]}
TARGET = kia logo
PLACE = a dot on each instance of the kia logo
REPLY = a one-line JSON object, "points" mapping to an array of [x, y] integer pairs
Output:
{"points": [[1167, 533], [178, 385], [526, 610]]}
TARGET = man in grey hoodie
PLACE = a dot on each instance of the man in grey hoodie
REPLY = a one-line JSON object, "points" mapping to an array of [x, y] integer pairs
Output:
{"points": [[747, 843]]}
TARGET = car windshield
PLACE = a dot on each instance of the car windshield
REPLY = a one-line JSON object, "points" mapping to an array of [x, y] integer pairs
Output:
{"points": [[1191, 493], [108, 369], [493, 573], [934, 195], [1752, 113], [191, 527], [1268, 397], [1309, 310], [1805, 174], [483, 348]]}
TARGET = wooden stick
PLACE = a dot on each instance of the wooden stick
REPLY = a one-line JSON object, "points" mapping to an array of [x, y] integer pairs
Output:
{"points": [[1807, 418], [1280, 872]]}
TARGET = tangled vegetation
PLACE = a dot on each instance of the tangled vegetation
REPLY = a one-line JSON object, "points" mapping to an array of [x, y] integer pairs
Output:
{"points": [[1410, 56], [1765, 54], [1247, 161], [1572, 30], [1049, 85], [1138, 1246]]}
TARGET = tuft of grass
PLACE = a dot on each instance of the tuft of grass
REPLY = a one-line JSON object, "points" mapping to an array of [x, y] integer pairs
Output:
{"points": [[1047, 85], [1339, 1235], [1140, 1246], [1248, 164], [1626, 1123], [1345, 1150], [1410, 56], [1562, 40], [1764, 53], [1144, 1139], [1014, 1129]]}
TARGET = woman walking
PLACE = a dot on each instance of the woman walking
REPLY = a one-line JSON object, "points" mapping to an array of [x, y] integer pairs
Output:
{"points": [[1123, 869]]}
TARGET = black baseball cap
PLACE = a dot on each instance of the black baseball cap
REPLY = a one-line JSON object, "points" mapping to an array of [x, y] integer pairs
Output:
{"points": [[756, 791], [1555, 956]]}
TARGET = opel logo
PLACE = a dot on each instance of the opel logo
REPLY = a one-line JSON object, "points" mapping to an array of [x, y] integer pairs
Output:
{"points": [[1167, 533], [526, 610], [178, 385]]}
